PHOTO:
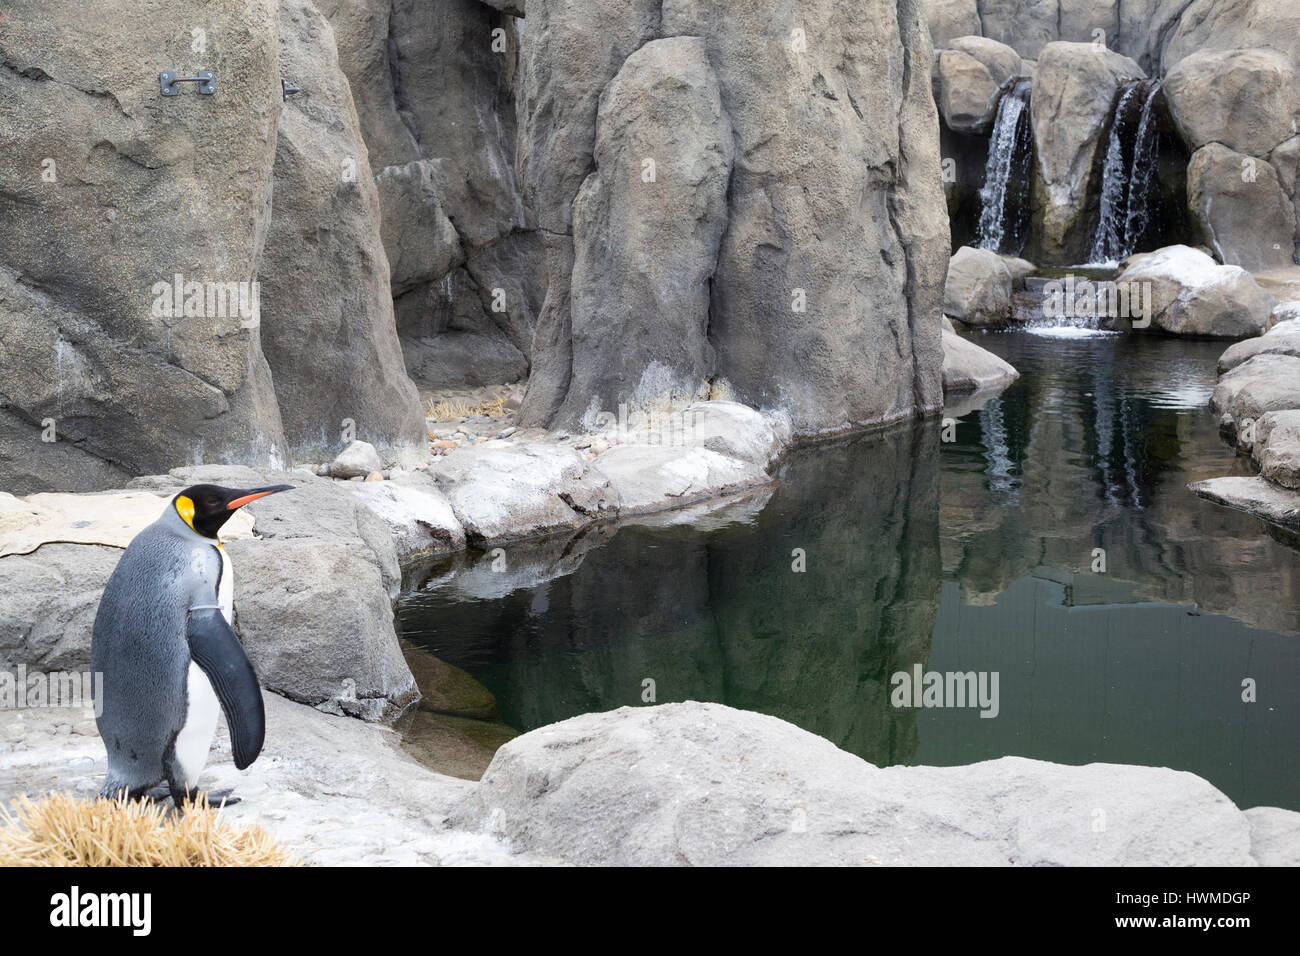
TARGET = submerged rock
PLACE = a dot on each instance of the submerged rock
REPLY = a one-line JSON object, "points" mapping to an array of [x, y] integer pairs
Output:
{"points": [[967, 367]]}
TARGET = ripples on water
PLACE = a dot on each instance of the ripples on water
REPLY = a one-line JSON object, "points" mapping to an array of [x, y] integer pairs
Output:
{"points": [[972, 555]]}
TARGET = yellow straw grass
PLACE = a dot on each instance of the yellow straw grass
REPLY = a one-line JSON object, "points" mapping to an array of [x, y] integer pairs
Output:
{"points": [[446, 410], [60, 830]]}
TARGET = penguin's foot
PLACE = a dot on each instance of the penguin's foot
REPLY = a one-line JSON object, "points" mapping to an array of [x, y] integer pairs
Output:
{"points": [[213, 798]]}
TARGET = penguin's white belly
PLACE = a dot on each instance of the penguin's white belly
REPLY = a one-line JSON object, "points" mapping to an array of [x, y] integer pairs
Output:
{"points": [[195, 739]]}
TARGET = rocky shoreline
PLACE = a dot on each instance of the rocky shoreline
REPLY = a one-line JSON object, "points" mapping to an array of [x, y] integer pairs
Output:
{"points": [[680, 784]]}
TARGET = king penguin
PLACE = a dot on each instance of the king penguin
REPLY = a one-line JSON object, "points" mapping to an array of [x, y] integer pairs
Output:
{"points": [[164, 642]]}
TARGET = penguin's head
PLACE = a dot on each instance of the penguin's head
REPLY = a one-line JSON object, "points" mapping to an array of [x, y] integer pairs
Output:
{"points": [[205, 508]]}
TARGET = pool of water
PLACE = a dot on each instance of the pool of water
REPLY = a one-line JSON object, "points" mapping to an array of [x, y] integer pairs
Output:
{"points": [[1048, 539]]}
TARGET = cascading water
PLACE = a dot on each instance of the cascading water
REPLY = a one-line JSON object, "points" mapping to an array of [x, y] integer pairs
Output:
{"points": [[1132, 151], [1004, 200]]}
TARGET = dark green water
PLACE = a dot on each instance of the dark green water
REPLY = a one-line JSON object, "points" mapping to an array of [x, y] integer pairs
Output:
{"points": [[969, 555]]}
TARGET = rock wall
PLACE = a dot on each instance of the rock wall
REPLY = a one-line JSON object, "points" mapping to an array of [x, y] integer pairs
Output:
{"points": [[823, 293], [434, 83], [137, 226]]}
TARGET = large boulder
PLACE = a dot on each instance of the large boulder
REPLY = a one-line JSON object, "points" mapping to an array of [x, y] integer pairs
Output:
{"points": [[825, 289], [108, 192], [978, 288], [1240, 206], [1026, 25], [1206, 25], [1267, 383], [950, 19], [1277, 448], [338, 325], [1246, 100], [1075, 85], [1188, 293], [969, 79], [703, 784], [646, 238]]}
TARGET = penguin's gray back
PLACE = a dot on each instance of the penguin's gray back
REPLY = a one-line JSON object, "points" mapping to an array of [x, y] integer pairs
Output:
{"points": [[141, 648]]}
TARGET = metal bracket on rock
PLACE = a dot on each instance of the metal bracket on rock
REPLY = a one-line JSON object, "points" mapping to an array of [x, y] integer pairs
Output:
{"points": [[207, 80]]}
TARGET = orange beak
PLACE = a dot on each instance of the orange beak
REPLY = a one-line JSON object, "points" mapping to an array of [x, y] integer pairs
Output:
{"points": [[254, 494]]}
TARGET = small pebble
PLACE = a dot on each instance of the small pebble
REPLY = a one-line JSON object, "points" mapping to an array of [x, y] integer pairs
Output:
{"points": [[506, 432], [374, 476]]}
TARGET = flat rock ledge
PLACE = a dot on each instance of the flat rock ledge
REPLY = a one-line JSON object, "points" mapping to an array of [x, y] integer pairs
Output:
{"points": [[680, 784], [1258, 404], [1281, 506]]}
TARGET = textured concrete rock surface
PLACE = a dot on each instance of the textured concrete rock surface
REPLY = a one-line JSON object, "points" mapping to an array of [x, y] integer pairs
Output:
{"points": [[326, 300], [1277, 448], [1191, 294], [357, 459], [1266, 383], [969, 77], [1246, 100], [978, 288], [703, 784], [502, 491], [1243, 211], [646, 238], [108, 191], [434, 85], [1074, 92], [840, 154], [950, 19], [419, 517]]}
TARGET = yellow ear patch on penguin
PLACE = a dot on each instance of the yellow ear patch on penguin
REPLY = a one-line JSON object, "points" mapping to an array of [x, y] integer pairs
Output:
{"points": [[185, 508]]}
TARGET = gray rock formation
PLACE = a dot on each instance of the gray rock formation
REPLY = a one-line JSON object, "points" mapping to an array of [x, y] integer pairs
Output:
{"points": [[434, 85], [978, 288], [1074, 92], [839, 155], [969, 77], [647, 228], [950, 19], [1246, 100], [189, 333], [1246, 216], [108, 191], [1190, 294], [326, 302], [969, 368], [703, 784]]}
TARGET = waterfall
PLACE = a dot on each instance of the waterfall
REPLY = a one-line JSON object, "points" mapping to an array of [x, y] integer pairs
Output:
{"points": [[1004, 200], [1131, 154]]}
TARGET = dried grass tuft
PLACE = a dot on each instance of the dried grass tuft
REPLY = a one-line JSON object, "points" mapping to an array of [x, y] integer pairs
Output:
{"points": [[61, 830]]}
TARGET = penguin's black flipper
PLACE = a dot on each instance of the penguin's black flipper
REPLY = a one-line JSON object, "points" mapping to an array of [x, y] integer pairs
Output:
{"points": [[217, 651]]}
